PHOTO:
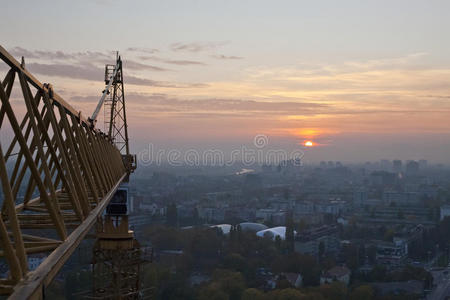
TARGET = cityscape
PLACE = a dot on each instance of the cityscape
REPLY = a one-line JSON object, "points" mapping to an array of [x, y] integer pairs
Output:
{"points": [[225, 150], [377, 228]]}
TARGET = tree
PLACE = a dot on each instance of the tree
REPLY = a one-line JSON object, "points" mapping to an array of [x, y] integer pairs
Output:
{"points": [[253, 294], [412, 273], [238, 233], [372, 253], [195, 217], [283, 283], [234, 239], [321, 250], [389, 235], [351, 256], [172, 215], [301, 226], [290, 237], [286, 294], [235, 262], [298, 263], [313, 296], [232, 283], [278, 242], [213, 292], [378, 273], [204, 243], [336, 291], [362, 292]]}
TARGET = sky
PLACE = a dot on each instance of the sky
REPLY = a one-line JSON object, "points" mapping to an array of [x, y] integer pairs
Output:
{"points": [[363, 80]]}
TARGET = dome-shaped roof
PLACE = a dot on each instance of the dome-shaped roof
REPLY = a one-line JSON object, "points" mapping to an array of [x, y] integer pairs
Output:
{"points": [[249, 226], [224, 227], [273, 232]]}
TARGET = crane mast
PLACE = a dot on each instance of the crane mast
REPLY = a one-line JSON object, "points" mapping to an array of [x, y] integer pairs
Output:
{"points": [[115, 119]]}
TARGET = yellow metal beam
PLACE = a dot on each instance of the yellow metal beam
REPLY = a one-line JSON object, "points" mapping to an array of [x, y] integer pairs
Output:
{"points": [[33, 286]]}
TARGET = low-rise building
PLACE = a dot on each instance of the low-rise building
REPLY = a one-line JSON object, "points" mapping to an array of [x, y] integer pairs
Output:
{"points": [[401, 198], [333, 207], [265, 213], [271, 215], [309, 241], [211, 214], [391, 253], [337, 273]]}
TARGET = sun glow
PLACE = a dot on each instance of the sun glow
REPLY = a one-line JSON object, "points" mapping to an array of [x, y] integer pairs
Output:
{"points": [[309, 144]]}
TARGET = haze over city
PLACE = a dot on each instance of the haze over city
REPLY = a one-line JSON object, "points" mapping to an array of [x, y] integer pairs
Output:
{"points": [[363, 80]]}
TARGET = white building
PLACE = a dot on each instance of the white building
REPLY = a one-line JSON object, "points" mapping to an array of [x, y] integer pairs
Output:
{"points": [[226, 228], [274, 232], [337, 273]]}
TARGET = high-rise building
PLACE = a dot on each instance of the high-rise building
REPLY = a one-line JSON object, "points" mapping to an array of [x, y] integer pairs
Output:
{"points": [[359, 197], [397, 166], [423, 164], [385, 165], [412, 167]]}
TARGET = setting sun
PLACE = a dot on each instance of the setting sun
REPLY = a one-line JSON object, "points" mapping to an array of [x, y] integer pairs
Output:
{"points": [[309, 144]]}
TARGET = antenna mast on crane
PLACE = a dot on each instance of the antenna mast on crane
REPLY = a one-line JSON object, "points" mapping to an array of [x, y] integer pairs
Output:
{"points": [[115, 121], [113, 100]]}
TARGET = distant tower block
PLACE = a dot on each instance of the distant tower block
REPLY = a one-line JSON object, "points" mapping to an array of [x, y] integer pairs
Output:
{"points": [[397, 166]]}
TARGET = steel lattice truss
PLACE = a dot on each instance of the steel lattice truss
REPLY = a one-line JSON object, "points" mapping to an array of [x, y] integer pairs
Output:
{"points": [[57, 175], [118, 130], [116, 272], [113, 102]]}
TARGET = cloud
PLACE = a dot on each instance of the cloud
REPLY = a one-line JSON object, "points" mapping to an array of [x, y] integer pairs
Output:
{"points": [[85, 99], [164, 102], [225, 57], [288, 110], [80, 58], [173, 62], [86, 72], [184, 62], [437, 96], [196, 46], [143, 50], [89, 65], [19, 51], [148, 82], [133, 65], [169, 106], [90, 72], [388, 63], [86, 56]]}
